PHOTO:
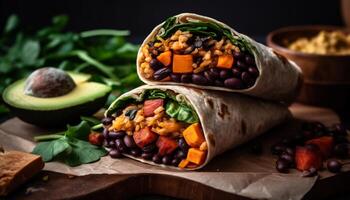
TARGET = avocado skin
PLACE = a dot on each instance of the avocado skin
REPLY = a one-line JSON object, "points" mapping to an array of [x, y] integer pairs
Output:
{"points": [[61, 117]]}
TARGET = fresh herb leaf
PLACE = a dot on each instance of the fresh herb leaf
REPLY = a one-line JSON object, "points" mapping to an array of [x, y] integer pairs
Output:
{"points": [[80, 131], [11, 23], [30, 52], [48, 150]]}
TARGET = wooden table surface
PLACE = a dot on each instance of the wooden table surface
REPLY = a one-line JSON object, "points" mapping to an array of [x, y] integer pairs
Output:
{"points": [[52, 185]]}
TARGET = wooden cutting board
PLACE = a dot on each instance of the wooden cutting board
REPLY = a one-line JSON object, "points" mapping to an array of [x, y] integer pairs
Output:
{"points": [[51, 185]]}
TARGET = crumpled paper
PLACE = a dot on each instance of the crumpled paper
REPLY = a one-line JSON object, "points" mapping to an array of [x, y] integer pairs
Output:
{"points": [[237, 171]]}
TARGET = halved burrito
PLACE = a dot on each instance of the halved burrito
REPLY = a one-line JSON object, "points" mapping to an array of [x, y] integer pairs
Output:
{"points": [[198, 51], [181, 127]]}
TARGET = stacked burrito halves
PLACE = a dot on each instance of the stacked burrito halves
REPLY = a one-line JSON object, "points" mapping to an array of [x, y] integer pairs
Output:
{"points": [[209, 89]]}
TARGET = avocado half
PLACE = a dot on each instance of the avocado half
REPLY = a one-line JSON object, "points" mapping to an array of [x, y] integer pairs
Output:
{"points": [[85, 99]]}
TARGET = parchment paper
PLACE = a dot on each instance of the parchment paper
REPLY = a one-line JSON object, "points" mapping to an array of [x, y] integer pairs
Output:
{"points": [[236, 171]]}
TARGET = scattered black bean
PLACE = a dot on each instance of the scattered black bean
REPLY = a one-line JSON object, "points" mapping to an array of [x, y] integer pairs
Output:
{"points": [[247, 78], [129, 141], [149, 148], [161, 73], [107, 121], [155, 64], [175, 77], [278, 149], [116, 135], [135, 152], [289, 151], [186, 78], [111, 144], [147, 156], [287, 157], [166, 160], [310, 172], [199, 79], [334, 166], [341, 150], [208, 76], [340, 129], [114, 153], [198, 43], [119, 144], [233, 83], [282, 166], [105, 143]]}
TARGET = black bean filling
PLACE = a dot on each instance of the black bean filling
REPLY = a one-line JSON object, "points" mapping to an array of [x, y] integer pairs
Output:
{"points": [[242, 74], [119, 142]]}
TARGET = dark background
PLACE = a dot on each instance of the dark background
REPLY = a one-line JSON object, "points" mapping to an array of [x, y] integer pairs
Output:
{"points": [[253, 17]]}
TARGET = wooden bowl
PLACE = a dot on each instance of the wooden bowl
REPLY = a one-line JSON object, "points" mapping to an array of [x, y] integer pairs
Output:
{"points": [[326, 77]]}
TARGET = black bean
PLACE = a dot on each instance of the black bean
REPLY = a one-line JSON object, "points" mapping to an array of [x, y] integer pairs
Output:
{"points": [[166, 160], [147, 156], [288, 158], [246, 78], [111, 144], [180, 154], [175, 77], [107, 121], [219, 83], [175, 162], [341, 150], [135, 152], [224, 74], [282, 166], [289, 151], [278, 149], [198, 43], [199, 79], [233, 83], [116, 135], [157, 159], [334, 166], [241, 65], [119, 144], [310, 172], [253, 71], [105, 143], [129, 141], [238, 55], [131, 113], [155, 64], [312, 147], [340, 129], [208, 76], [186, 78], [149, 148], [236, 72], [161, 73], [114, 153], [183, 145], [249, 60], [105, 133]]}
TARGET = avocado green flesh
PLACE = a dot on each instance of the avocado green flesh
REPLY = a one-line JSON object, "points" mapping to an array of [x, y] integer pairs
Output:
{"points": [[84, 92]]}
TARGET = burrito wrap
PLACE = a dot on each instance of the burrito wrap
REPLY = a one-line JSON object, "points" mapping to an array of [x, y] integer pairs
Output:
{"points": [[227, 119], [280, 79]]}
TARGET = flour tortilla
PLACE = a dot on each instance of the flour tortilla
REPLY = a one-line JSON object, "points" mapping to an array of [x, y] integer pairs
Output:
{"points": [[280, 79], [227, 119]]}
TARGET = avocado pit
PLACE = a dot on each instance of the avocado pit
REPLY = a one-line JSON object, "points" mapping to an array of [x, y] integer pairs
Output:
{"points": [[49, 82]]}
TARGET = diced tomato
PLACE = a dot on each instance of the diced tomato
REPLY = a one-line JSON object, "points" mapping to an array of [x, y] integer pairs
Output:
{"points": [[150, 105], [96, 138], [325, 143], [144, 137], [306, 158], [166, 145]]}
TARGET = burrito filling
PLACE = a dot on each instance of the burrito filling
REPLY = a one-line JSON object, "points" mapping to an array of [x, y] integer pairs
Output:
{"points": [[201, 53], [159, 126]]}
